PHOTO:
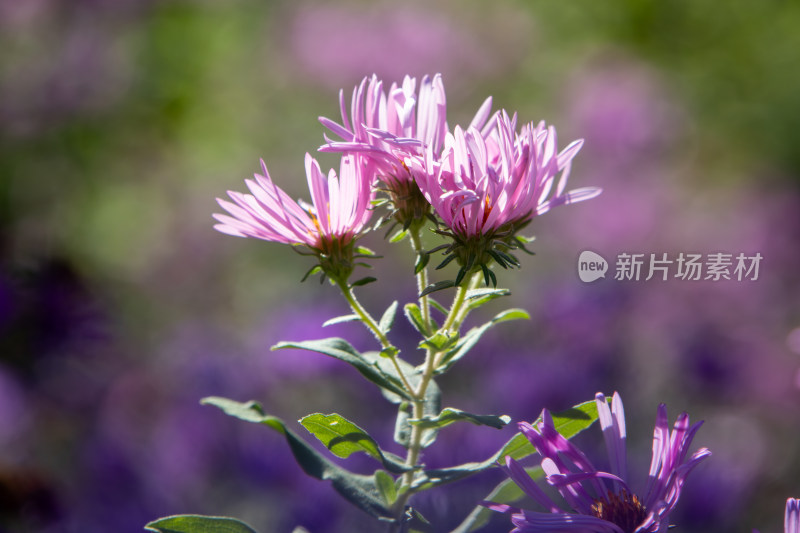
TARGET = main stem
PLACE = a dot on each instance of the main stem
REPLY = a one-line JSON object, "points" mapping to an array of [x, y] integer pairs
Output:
{"points": [[452, 322]]}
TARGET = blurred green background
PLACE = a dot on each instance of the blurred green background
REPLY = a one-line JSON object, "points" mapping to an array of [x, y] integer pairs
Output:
{"points": [[122, 120]]}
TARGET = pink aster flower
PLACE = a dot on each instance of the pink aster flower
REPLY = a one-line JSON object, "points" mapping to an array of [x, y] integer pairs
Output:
{"points": [[488, 184], [328, 228], [791, 517], [603, 501], [390, 127]]}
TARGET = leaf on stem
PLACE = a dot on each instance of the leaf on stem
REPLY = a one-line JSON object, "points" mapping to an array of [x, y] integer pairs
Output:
{"points": [[438, 286], [422, 261], [363, 281], [450, 415], [506, 492], [198, 524], [373, 367], [478, 297], [399, 236], [343, 438], [472, 336], [387, 320], [439, 341], [414, 316], [359, 490], [341, 319], [569, 423], [386, 486]]}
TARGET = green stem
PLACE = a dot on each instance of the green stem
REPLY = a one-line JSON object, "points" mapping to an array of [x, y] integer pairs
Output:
{"points": [[365, 317], [474, 281], [455, 317], [422, 276]]}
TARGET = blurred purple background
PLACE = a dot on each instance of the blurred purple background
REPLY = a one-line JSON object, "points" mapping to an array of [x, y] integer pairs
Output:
{"points": [[120, 307]]}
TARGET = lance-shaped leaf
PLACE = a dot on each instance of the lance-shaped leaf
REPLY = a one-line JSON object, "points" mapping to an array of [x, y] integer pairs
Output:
{"points": [[438, 286], [569, 423], [414, 316], [387, 320], [373, 367], [198, 524], [358, 489], [450, 415], [386, 486], [343, 438], [478, 297], [506, 492], [471, 338], [341, 319]]}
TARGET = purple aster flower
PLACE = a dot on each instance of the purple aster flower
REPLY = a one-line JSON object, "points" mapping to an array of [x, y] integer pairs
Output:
{"points": [[328, 228], [603, 502], [791, 517], [489, 184], [390, 127]]}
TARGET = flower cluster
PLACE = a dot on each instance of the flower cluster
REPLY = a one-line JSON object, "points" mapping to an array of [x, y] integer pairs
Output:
{"points": [[483, 183], [603, 501]]}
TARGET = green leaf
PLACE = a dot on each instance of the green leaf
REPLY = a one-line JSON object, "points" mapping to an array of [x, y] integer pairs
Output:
{"points": [[359, 490], [316, 269], [399, 236], [386, 486], [450, 415], [422, 262], [439, 285], [511, 314], [414, 316], [389, 351], [473, 336], [506, 492], [343, 438], [370, 365], [341, 319], [339, 435], [198, 524], [366, 252], [363, 281], [436, 305], [439, 341], [474, 294], [569, 423], [387, 320]]}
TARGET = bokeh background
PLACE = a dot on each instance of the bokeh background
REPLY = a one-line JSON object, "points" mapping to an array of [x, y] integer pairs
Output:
{"points": [[120, 307]]}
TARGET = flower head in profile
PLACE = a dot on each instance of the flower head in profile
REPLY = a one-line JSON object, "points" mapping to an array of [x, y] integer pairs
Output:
{"points": [[490, 183], [791, 517], [389, 127], [327, 228], [603, 501]]}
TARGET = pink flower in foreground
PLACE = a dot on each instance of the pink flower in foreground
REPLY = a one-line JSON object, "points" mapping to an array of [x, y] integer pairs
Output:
{"points": [[604, 501], [489, 184], [328, 228], [390, 127]]}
